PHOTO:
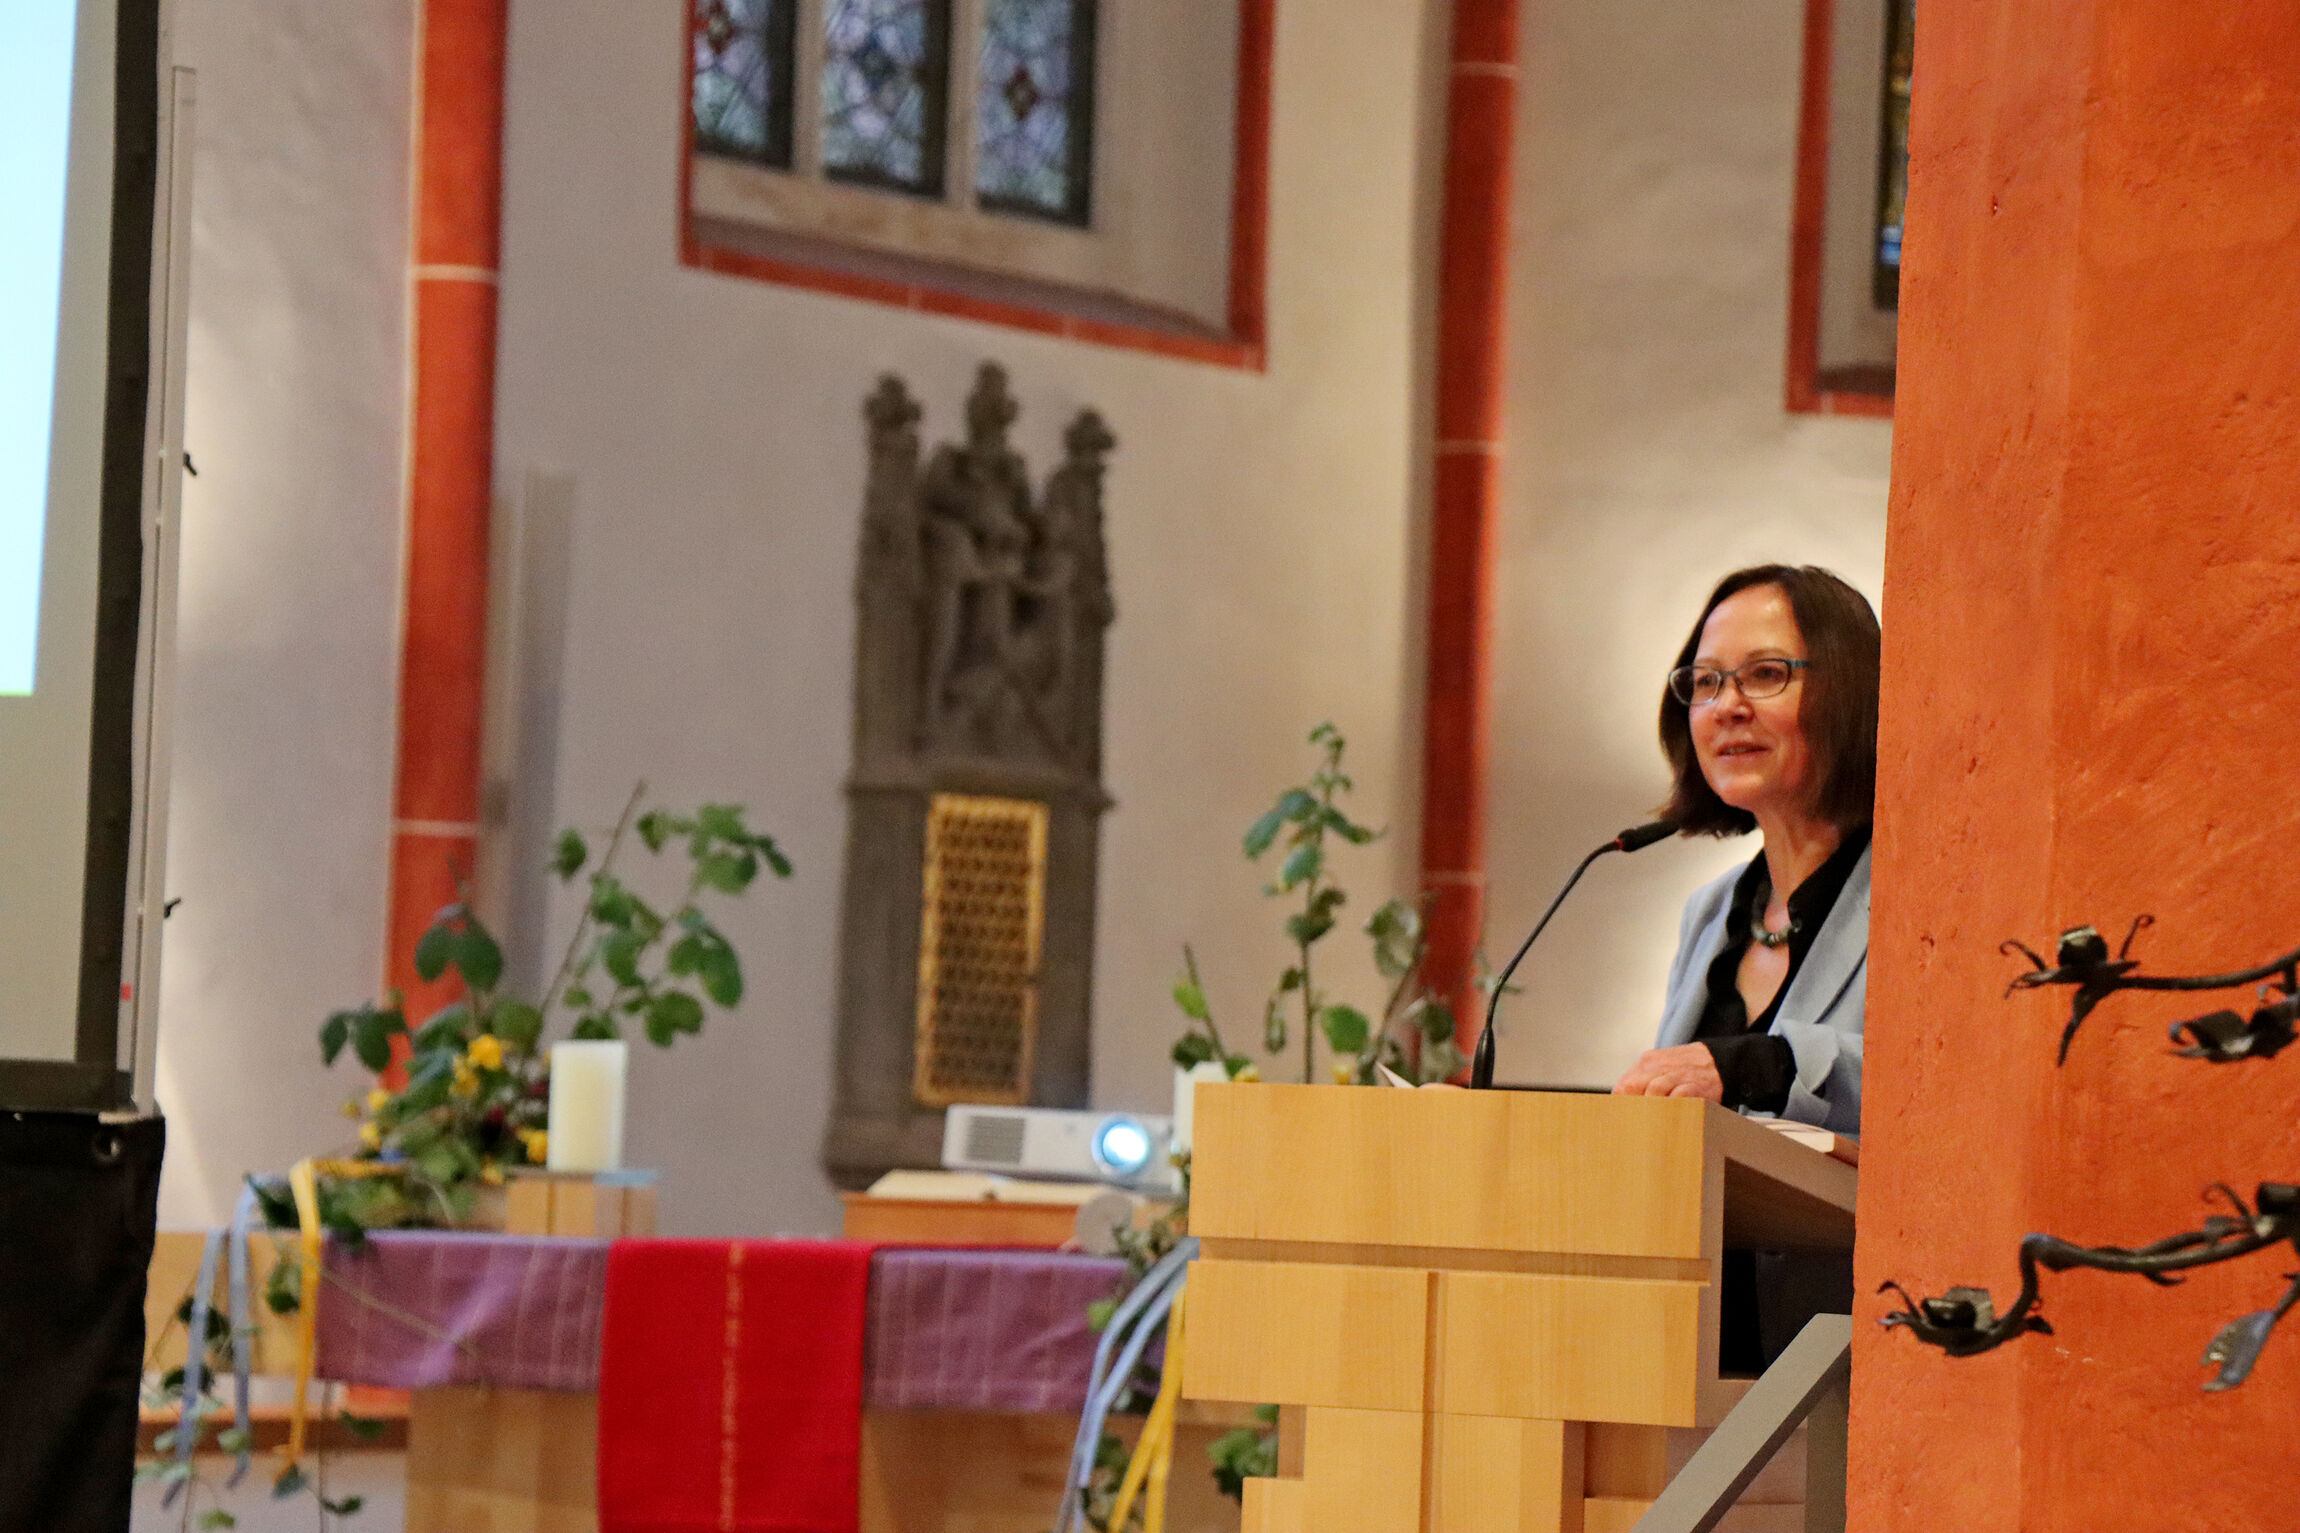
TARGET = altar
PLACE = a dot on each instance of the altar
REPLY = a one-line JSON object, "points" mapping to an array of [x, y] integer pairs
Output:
{"points": [[975, 1366]]}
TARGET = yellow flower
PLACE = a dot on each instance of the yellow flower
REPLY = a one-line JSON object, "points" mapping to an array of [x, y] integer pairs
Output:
{"points": [[466, 1082], [377, 1100], [486, 1051], [371, 1136], [351, 1107], [1247, 1073], [1345, 1071], [538, 1143], [491, 1175]]}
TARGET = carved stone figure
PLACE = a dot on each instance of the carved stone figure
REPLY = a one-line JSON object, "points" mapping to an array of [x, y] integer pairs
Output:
{"points": [[980, 611]]}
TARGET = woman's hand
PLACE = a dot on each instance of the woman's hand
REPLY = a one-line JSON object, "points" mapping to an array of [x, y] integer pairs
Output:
{"points": [[1688, 1070]]}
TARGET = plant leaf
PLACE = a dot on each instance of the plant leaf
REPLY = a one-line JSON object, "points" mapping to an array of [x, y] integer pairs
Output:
{"points": [[446, 1029], [1192, 1048], [440, 1162], [1263, 832], [1302, 864], [1345, 827], [477, 956], [436, 948], [1191, 998], [1306, 927], [569, 855], [1346, 1028], [348, 1506], [722, 975], [597, 1025], [673, 1012], [620, 955], [333, 1033], [611, 903], [654, 828], [291, 1480], [372, 1035], [765, 846], [730, 872], [518, 1024], [361, 1427], [215, 1517]]}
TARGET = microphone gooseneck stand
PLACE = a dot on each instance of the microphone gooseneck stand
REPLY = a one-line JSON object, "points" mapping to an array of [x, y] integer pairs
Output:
{"points": [[1636, 839]]}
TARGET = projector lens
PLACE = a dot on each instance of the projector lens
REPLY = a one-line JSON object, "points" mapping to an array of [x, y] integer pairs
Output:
{"points": [[1121, 1147]]}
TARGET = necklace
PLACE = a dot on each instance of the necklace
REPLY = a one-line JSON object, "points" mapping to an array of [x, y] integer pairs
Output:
{"points": [[1764, 934]]}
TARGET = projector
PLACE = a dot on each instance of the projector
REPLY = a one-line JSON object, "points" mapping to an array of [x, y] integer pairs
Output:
{"points": [[1123, 1148]]}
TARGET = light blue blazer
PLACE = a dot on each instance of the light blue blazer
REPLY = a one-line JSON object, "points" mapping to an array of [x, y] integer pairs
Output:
{"points": [[1820, 1016]]}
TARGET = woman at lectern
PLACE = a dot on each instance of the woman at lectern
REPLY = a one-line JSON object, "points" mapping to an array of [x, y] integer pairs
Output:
{"points": [[1770, 724]]}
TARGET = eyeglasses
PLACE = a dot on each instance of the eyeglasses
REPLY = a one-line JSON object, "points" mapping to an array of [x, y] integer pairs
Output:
{"points": [[1698, 685]]}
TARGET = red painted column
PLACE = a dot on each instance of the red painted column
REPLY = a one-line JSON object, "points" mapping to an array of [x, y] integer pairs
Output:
{"points": [[451, 433], [1473, 293], [2092, 619]]}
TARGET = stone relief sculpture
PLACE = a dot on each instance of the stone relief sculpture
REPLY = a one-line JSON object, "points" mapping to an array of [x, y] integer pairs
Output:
{"points": [[980, 610]]}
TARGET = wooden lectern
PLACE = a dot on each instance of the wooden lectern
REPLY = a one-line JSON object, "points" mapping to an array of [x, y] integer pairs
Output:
{"points": [[1455, 1284]]}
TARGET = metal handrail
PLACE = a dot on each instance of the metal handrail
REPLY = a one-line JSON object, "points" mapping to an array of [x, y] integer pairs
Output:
{"points": [[1809, 1380]]}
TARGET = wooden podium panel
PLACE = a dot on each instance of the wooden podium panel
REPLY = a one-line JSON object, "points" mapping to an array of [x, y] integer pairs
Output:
{"points": [[1452, 1284]]}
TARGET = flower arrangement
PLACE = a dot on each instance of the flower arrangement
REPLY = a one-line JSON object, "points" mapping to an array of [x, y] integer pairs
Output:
{"points": [[472, 1091]]}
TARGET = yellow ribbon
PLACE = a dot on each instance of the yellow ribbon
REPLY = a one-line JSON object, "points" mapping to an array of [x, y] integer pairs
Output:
{"points": [[303, 1181], [1154, 1449]]}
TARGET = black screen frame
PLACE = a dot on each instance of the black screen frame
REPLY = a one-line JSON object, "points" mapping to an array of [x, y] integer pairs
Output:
{"points": [[93, 1080]]}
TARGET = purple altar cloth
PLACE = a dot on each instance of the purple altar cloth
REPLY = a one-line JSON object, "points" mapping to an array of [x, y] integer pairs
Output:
{"points": [[948, 1329], [415, 1309], [981, 1330]]}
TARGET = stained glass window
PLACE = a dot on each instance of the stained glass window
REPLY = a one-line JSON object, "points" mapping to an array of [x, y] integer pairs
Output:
{"points": [[1034, 108], [886, 92], [743, 79], [1893, 171]]}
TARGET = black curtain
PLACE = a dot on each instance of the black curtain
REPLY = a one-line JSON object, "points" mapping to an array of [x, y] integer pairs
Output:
{"points": [[79, 1200]]}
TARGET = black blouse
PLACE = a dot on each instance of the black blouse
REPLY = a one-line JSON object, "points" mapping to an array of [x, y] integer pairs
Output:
{"points": [[1758, 1068]]}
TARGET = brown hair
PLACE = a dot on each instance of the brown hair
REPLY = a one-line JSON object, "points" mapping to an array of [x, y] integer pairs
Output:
{"points": [[1837, 709]]}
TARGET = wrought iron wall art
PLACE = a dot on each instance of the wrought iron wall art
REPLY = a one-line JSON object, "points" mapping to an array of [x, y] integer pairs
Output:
{"points": [[1964, 1321]]}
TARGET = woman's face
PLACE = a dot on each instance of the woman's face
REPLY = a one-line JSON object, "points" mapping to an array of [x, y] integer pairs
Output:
{"points": [[1753, 752]]}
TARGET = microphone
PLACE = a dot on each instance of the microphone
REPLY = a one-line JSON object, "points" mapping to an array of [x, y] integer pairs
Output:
{"points": [[1634, 839]]}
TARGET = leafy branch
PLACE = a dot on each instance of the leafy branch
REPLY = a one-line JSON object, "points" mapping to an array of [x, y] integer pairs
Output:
{"points": [[474, 1095], [1414, 1033]]}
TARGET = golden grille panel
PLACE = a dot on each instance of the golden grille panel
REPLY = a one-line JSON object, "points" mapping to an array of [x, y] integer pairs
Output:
{"points": [[978, 949]]}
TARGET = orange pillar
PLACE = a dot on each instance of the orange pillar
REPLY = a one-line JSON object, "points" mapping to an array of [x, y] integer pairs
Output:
{"points": [[2092, 672], [1473, 294], [451, 432]]}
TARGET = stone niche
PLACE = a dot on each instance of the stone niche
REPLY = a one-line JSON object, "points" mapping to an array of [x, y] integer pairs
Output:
{"points": [[975, 803]]}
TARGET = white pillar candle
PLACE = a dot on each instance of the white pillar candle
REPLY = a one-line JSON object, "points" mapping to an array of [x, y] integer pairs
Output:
{"points": [[586, 1124]]}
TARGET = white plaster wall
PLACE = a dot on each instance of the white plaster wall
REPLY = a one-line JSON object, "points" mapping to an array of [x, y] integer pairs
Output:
{"points": [[1648, 455], [1260, 530], [290, 577]]}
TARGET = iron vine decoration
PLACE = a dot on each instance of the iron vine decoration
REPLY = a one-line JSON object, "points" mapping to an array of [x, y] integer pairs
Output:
{"points": [[1964, 1321]]}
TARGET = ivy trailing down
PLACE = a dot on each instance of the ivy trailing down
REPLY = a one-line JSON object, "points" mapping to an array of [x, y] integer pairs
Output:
{"points": [[1965, 1321]]}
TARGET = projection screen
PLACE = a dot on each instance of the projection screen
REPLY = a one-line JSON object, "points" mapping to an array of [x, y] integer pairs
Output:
{"points": [[80, 129]]}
